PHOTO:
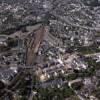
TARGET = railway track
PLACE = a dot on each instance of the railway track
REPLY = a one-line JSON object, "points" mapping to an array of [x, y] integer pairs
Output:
{"points": [[33, 43]]}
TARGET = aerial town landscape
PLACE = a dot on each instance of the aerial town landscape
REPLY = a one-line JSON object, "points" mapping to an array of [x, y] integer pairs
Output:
{"points": [[49, 49]]}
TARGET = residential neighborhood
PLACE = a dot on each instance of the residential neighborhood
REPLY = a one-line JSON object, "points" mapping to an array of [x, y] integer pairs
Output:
{"points": [[50, 50]]}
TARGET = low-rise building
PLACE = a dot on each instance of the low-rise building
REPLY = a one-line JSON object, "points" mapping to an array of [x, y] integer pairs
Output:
{"points": [[7, 75]]}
